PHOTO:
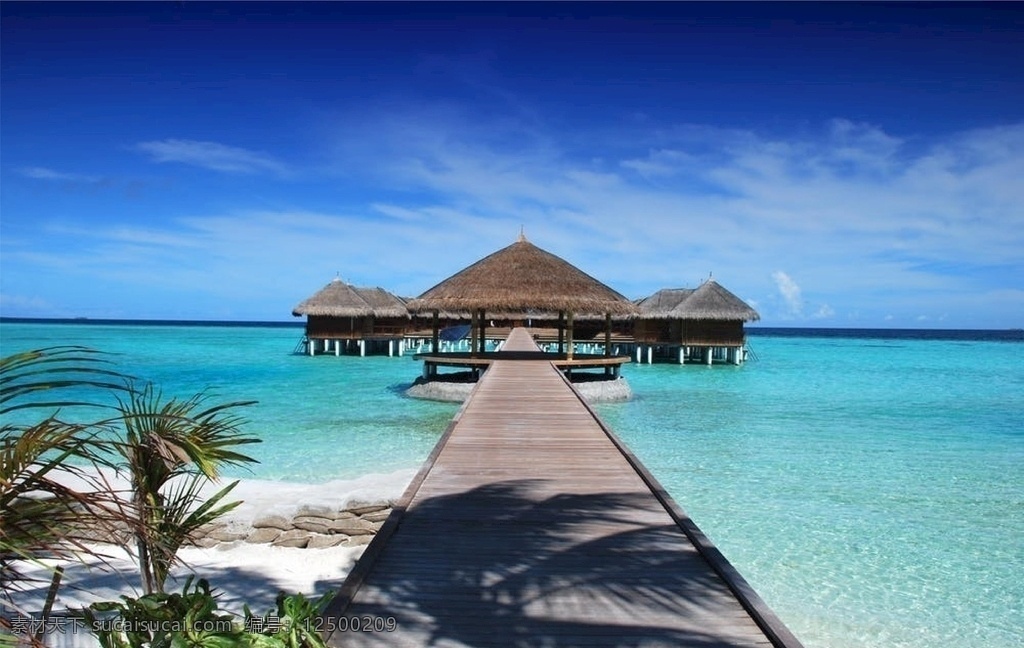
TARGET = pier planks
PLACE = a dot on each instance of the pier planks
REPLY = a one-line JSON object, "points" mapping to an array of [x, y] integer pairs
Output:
{"points": [[530, 525]]}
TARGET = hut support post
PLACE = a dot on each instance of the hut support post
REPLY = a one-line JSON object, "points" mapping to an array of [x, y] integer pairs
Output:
{"points": [[607, 335], [561, 332], [681, 355], [650, 354], [337, 348], [362, 348], [473, 332], [435, 345], [483, 331], [708, 353], [569, 348]]}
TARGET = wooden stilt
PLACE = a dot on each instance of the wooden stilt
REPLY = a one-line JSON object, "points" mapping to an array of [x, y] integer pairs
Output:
{"points": [[569, 350], [650, 354], [561, 332], [607, 335], [473, 332], [483, 331], [435, 346], [362, 348]]}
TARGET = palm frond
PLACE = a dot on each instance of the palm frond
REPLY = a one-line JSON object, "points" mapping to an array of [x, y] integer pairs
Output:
{"points": [[55, 369], [181, 513]]}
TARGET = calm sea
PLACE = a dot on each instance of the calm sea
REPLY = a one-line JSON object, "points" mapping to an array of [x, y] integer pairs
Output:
{"points": [[869, 484]]}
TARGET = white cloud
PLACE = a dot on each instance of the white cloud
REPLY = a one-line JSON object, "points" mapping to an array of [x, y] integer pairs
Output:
{"points": [[44, 173], [885, 226], [212, 155], [824, 312], [790, 292]]}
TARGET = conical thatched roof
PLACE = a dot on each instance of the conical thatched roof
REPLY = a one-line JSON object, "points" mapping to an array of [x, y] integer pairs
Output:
{"points": [[661, 304], [522, 277], [712, 301], [338, 299]]}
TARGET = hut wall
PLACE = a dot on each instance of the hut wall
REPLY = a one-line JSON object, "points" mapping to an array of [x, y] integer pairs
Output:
{"points": [[654, 331], [689, 332], [711, 333], [355, 328], [327, 326], [389, 326]]}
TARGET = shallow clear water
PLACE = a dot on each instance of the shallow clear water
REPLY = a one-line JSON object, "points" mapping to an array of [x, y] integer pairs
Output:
{"points": [[320, 418], [871, 489]]}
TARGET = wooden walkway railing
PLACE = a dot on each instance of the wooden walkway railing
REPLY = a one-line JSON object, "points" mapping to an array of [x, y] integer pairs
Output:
{"points": [[530, 524]]}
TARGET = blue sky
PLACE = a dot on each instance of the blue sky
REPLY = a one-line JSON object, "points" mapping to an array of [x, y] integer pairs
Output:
{"points": [[832, 164]]}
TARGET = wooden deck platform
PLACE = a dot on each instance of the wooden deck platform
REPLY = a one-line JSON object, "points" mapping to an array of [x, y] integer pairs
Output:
{"points": [[531, 525], [611, 365]]}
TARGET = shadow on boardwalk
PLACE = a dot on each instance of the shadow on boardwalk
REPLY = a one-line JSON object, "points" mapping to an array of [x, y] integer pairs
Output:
{"points": [[510, 564]]}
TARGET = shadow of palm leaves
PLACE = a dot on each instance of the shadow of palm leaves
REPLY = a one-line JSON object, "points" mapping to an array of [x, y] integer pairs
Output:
{"points": [[507, 564]]}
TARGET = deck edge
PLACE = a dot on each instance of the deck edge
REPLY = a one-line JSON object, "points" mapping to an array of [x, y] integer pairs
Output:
{"points": [[367, 560], [775, 630]]}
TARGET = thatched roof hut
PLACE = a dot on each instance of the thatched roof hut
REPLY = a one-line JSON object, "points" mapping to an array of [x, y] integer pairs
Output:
{"points": [[339, 299], [519, 278], [701, 320], [708, 302], [713, 302], [336, 299]]}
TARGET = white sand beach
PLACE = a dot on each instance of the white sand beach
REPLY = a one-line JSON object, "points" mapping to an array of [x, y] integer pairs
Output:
{"points": [[242, 573]]}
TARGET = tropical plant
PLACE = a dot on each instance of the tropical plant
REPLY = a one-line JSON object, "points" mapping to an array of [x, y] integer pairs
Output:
{"points": [[44, 513], [161, 620], [54, 497], [192, 619], [170, 450], [293, 625]]}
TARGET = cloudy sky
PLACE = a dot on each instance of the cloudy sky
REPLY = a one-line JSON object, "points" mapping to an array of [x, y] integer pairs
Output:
{"points": [[833, 165]]}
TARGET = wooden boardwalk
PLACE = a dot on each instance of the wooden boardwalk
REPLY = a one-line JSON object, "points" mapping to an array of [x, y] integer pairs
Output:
{"points": [[530, 525]]}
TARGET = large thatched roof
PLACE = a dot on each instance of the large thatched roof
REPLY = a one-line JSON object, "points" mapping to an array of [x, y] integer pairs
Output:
{"points": [[708, 302], [523, 277], [338, 299], [712, 301]]}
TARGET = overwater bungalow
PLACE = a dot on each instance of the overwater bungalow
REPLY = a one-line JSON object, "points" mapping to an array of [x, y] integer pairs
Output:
{"points": [[693, 325], [342, 318], [514, 285]]}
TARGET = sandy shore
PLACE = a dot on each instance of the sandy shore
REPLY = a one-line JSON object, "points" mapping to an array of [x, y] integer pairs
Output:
{"points": [[241, 572]]}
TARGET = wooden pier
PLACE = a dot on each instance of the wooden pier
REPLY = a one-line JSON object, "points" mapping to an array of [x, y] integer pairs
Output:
{"points": [[530, 524]]}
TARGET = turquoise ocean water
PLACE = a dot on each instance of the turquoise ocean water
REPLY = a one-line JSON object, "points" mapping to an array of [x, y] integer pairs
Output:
{"points": [[870, 487]]}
